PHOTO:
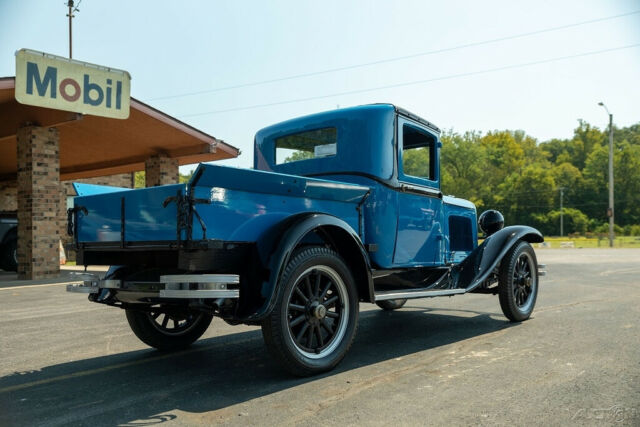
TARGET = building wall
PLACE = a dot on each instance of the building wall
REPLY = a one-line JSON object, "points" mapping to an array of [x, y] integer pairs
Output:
{"points": [[8, 196]]}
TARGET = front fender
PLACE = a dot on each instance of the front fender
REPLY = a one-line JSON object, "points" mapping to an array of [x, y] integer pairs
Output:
{"points": [[292, 236], [475, 268]]}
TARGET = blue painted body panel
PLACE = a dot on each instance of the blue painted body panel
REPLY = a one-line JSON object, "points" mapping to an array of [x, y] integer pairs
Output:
{"points": [[366, 142], [419, 239], [246, 203], [462, 208]]}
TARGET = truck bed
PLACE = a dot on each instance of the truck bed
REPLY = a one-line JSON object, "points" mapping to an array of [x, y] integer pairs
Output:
{"points": [[221, 203]]}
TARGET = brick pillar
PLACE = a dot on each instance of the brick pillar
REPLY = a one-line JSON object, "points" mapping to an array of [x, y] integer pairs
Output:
{"points": [[160, 170], [38, 202]]}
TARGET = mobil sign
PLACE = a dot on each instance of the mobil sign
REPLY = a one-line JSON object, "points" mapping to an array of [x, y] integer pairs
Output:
{"points": [[55, 82]]}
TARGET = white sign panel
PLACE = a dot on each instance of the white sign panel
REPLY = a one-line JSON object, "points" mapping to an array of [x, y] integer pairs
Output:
{"points": [[65, 84]]}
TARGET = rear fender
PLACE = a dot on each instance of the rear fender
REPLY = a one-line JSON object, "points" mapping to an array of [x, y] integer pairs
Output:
{"points": [[477, 267], [337, 232]]}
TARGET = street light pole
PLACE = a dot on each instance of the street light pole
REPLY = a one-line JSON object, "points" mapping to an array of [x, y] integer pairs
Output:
{"points": [[70, 15], [610, 211], [72, 8]]}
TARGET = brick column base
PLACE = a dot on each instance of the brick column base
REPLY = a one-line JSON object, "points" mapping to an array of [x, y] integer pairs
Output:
{"points": [[160, 170], [38, 202]]}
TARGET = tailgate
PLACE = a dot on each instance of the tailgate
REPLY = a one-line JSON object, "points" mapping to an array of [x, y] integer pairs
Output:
{"points": [[129, 215]]}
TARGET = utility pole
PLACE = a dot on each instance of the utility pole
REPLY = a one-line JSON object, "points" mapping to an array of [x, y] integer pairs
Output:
{"points": [[561, 211], [610, 210], [70, 14]]}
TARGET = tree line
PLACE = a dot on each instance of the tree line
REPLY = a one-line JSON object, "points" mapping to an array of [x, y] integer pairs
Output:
{"points": [[522, 178]]}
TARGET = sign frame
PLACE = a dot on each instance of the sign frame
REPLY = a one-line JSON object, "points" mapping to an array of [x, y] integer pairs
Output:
{"points": [[51, 81]]}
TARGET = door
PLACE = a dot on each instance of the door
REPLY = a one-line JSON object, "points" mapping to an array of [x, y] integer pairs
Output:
{"points": [[419, 238]]}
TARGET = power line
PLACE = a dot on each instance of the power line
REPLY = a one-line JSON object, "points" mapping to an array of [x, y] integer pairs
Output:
{"points": [[415, 82], [396, 58], [572, 205]]}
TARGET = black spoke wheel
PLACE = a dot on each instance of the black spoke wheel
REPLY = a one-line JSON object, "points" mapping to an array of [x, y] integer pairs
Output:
{"points": [[314, 321], [518, 284], [168, 329], [391, 304]]}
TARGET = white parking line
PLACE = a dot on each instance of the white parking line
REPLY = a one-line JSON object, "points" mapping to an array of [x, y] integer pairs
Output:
{"points": [[38, 286]]}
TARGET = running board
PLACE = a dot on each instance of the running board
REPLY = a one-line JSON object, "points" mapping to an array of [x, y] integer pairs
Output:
{"points": [[418, 293]]}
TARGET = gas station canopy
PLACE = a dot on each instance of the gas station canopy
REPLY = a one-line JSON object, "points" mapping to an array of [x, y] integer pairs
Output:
{"points": [[93, 146]]}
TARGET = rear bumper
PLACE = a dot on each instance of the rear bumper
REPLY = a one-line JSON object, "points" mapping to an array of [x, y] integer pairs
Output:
{"points": [[185, 286]]}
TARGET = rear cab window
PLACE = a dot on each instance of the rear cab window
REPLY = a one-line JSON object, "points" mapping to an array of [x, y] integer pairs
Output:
{"points": [[306, 145]]}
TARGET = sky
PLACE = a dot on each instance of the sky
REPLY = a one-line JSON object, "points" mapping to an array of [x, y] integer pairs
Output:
{"points": [[231, 68]]}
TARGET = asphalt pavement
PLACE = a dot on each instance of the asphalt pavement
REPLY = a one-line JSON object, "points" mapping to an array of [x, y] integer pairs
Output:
{"points": [[440, 361]]}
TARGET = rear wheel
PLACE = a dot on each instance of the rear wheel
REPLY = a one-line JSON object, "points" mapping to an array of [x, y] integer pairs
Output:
{"points": [[315, 318], [167, 329], [518, 282], [391, 304]]}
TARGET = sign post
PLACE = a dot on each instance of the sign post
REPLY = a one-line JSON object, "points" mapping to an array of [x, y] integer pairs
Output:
{"points": [[51, 81]]}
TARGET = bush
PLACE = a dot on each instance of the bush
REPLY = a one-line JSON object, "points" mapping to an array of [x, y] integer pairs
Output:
{"points": [[604, 229], [634, 230]]}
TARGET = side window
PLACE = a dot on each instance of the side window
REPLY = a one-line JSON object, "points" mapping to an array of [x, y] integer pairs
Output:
{"points": [[417, 153], [306, 145]]}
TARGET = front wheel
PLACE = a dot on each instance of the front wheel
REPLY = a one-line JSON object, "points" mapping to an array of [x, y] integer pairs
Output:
{"points": [[518, 282], [168, 329], [315, 317]]}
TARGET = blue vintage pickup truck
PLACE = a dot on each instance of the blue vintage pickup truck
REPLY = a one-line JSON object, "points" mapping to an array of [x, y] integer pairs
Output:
{"points": [[342, 207]]}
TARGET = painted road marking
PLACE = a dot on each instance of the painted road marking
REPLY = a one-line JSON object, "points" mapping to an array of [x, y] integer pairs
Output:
{"points": [[39, 286]]}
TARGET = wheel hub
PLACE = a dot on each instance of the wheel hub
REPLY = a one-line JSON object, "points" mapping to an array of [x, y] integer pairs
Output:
{"points": [[318, 311]]}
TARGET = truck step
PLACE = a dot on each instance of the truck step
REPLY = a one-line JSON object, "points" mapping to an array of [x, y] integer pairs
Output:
{"points": [[416, 293]]}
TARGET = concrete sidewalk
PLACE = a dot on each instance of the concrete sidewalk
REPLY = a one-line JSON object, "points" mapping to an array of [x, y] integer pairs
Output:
{"points": [[67, 274]]}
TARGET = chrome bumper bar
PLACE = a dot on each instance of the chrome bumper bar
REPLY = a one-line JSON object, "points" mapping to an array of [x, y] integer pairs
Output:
{"points": [[186, 286]]}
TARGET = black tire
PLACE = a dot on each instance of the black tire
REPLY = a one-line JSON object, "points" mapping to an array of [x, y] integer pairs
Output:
{"points": [[9, 255], [391, 304], [302, 332], [154, 328], [518, 282]]}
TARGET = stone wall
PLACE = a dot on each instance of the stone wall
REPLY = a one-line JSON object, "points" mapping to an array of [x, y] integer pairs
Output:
{"points": [[8, 196]]}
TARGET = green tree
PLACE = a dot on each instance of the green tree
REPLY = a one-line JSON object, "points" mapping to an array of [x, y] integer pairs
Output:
{"points": [[299, 155], [140, 178]]}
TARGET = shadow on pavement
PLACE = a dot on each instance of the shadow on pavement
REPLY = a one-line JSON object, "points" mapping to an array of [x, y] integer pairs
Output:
{"points": [[213, 374]]}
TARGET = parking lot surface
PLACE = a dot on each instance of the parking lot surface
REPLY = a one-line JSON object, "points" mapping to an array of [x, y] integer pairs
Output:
{"points": [[438, 361]]}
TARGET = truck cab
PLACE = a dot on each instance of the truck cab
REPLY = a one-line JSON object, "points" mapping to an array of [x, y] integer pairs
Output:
{"points": [[397, 155]]}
